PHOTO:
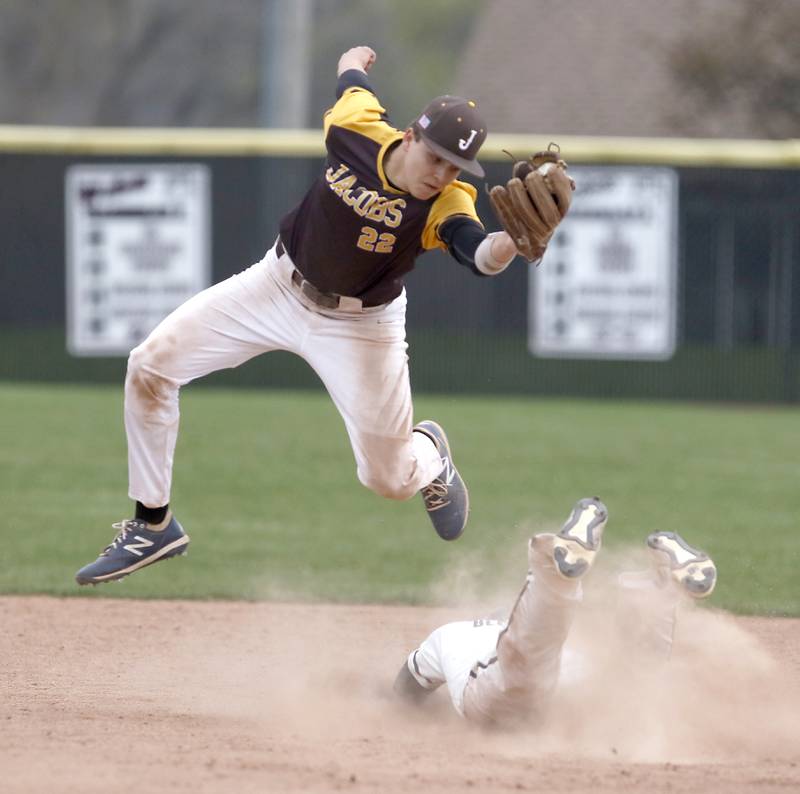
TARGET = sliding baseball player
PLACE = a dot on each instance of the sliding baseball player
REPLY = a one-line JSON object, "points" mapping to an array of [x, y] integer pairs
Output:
{"points": [[504, 672]]}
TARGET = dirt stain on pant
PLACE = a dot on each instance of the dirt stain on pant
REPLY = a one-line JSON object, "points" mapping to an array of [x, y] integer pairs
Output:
{"points": [[144, 382]]}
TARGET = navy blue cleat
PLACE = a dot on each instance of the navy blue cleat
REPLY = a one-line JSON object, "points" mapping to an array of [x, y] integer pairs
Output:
{"points": [[134, 547], [446, 498]]}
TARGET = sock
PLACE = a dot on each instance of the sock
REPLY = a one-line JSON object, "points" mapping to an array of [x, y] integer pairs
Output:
{"points": [[152, 515]]}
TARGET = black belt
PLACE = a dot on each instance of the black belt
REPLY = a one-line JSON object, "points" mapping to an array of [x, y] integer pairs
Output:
{"points": [[324, 299], [327, 300]]}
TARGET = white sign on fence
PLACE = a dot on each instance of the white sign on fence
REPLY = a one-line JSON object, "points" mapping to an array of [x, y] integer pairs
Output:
{"points": [[138, 245], [607, 285]]}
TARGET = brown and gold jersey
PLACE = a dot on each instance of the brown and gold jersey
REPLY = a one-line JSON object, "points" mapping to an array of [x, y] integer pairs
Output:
{"points": [[354, 233]]}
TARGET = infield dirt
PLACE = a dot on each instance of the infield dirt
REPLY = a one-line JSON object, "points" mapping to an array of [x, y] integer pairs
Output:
{"points": [[149, 696]]}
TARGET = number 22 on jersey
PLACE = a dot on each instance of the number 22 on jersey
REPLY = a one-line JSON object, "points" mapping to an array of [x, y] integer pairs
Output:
{"points": [[371, 240]]}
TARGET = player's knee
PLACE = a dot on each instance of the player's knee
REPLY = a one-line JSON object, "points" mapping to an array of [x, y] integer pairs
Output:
{"points": [[144, 386]]}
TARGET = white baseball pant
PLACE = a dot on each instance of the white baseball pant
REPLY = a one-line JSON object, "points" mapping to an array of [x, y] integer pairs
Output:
{"points": [[501, 671], [360, 356], [498, 672]]}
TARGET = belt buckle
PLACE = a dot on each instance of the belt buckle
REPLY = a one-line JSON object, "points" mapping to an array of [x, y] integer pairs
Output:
{"points": [[348, 304], [320, 298], [324, 299]]}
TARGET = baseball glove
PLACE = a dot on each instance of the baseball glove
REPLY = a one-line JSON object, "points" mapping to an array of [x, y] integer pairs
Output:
{"points": [[534, 201]]}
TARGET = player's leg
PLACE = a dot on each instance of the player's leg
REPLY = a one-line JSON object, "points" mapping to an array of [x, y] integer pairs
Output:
{"points": [[520, 679], [650, 599], [422, 673], [218, 328], [361, 358], [447, 656]]}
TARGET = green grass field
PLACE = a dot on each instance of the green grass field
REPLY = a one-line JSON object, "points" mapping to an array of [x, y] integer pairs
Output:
{"points": [[265, 485]]}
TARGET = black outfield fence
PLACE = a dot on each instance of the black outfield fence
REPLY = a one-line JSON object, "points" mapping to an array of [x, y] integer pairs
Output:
{"points": [[738, 287]]}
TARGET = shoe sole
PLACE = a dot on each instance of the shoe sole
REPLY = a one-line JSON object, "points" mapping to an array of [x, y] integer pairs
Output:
{"points": [[578, 542], [690, 568], [174, 549]]}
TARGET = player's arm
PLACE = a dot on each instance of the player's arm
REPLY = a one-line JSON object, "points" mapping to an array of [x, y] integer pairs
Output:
{"points": [[467, 242], [352, 69], [408, 689], [420, 674], [454, 226]]}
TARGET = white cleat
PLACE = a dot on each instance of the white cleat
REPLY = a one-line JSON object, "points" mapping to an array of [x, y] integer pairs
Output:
{"points": [[675, 560], [577, 543]]}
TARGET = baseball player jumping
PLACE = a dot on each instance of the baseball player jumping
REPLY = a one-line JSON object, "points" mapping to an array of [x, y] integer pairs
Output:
{"points": [[506, 672], [330, 290]]}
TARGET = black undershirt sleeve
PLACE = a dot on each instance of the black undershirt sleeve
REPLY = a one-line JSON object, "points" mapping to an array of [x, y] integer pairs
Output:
{"points": [[462, 236], [352, 78]]}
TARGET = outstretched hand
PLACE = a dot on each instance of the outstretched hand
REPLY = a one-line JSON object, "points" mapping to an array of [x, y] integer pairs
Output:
{"points": [[360, 58]]}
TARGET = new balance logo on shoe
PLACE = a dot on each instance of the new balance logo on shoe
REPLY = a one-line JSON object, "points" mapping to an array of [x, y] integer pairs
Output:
{"points": [[449, 472], [136, 548]]}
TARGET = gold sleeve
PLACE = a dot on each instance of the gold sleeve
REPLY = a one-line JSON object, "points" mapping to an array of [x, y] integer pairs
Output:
{"points": [[360, 111], [457, 198]]}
